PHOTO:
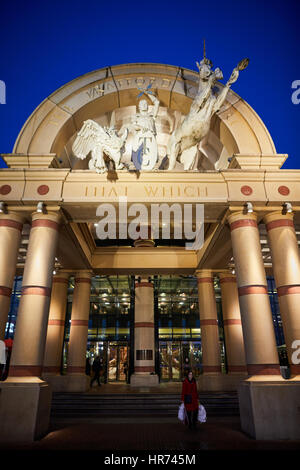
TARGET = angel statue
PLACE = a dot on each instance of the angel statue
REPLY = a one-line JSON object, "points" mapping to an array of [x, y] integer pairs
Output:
{"points": [[184, 141], [99, 141]]}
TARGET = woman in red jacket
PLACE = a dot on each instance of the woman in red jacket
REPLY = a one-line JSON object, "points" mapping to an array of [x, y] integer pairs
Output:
{"points": [[189, 396]]}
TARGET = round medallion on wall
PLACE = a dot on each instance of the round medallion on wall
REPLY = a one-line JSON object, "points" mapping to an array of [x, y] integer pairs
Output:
{"points": [[5, 189], [43, 189], [246, 190], [283, 190]]}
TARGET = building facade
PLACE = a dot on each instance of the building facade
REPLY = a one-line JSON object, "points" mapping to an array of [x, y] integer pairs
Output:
{"points": [[149, 304]]}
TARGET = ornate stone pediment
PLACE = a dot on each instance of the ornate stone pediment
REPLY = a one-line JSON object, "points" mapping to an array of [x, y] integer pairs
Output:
{"points": [[109, 98]]}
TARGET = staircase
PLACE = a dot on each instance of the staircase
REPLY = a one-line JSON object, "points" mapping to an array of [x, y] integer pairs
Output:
{"points": [[77, 406]]}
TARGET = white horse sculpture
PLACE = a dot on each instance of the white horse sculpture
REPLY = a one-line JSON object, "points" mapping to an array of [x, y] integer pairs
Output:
{"points": [[184, 141]]}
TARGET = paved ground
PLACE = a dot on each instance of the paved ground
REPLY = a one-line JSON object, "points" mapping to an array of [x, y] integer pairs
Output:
{"points": [[126, 435], [217, 434]]}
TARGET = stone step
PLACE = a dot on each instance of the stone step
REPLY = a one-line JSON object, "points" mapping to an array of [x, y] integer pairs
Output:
{"points": [[72, 405]]}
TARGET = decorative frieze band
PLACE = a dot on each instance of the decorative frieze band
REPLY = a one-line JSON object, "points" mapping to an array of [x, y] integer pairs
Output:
{"points": [[82, 280], [6, 291], [79, 322], [237, 368], [209, 321], [11, 224], [46, 223], [287, 290], [203, 280], [36, 290], [243, 223], [232, 321], [263, 369], [224, 280], [25, 371], [60, 280], [141, 324], [54, 322], [254, 289], [279, 223]]}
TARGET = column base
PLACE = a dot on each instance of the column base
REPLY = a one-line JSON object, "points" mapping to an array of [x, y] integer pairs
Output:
{"points": [[144, 380], [25, 404], [219, 382], [68, 383], [269, 407]]}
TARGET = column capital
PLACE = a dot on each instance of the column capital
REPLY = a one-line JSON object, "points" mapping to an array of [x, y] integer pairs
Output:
{"points": [[83, 276], [12, 220], [277, 219], [240, 219], [227, 277], [48, 220], [62, 277], [205, 274]]}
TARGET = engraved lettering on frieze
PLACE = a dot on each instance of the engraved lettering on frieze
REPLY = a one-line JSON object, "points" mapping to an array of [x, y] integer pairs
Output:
{"points": [[165, 83], [102, 191], [96, 91], [140, 81]]}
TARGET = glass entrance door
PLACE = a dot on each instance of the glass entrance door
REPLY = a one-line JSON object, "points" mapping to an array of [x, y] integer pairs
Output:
{"points": [[176, 357], [117, 359]]}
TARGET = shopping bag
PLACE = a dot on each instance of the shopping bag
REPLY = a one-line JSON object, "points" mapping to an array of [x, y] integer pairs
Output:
{"points": [[181, 412], [201, 414]]}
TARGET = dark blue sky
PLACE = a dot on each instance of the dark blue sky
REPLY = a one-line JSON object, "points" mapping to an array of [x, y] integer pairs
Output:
{"points": [[46, 44]]}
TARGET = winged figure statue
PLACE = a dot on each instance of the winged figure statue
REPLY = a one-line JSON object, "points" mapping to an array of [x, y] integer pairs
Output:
{"points": [[97, 140]]}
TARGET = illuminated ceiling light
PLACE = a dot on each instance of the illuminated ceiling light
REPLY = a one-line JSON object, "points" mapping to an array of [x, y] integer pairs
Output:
{"points": [[3, 207], [233, 271], [41, 207], [287, 207], [248, 207], [54, 272], [96, 225]]}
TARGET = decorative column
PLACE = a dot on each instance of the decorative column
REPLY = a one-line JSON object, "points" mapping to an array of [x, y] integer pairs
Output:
{"points": [[259, 336], [234, 341], [10, 236], [268, 403], [31, 328], [77, 381], [211, 354], [56, 325], [25, 398], [286, 268], [144, 340]]}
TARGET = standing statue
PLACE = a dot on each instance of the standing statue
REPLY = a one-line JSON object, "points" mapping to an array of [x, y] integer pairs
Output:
{"points": [[144, 148], [99, 141], [184, 141]]}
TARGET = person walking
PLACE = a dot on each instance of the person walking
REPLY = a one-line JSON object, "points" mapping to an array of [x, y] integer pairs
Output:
{"points": [[87, 366], [96, 367], [189, 396]]}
